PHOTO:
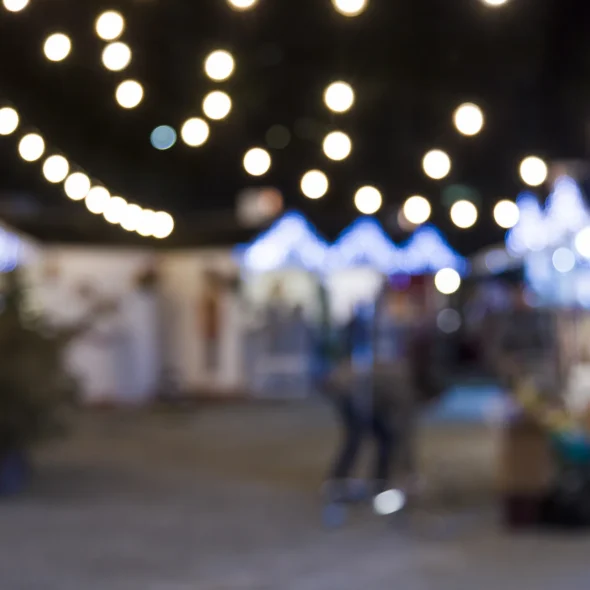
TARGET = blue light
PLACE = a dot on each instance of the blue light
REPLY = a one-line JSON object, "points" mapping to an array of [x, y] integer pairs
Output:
{"points": [[289, 242], [427, 252], [163, 137], [365, 243], [566, 210]]}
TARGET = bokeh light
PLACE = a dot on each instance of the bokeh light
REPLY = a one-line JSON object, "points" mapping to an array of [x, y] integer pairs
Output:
{"points": [[115, 210], [337, 146], [146, 223], [163, 225], [417, 210], [350, 7], [436, 164], [389, 502], [77, 186], [57, 47], [469, 119], [194, 132], [217, 105], [447, 281], [9, 121], [448, 320], [219, 65], [31, 147], [131, 217], [116, 56], [97, 200], [506, 214], [56, 169], [257, 162], [494, 2], [368, 200], [564, 260], [339, 97], [242, 4], [129, 94], [163, 137], [533, 171], [15, 5], [110, 25], [278, 137], [464, 214], [582, 242], [314, 184]]}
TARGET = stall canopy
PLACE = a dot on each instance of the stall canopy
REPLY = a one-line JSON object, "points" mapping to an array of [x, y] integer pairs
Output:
{"points": [[365, 243], [427, 252], [291, 242]]}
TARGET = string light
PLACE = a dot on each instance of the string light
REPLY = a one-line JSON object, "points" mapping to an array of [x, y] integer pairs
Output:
{"points": [[110, 25], [337, 146], [115, 210], [314, 184], [131, 217], [129, 94], [447, 281], [257, 162], [533, 171], [146, 223], [56, 169], [116, 56], [217, 105], [31, 147], [163, 225], [469, 119], [15, 5], [506, 214], [57, 47], [417, 210], [436, 164], [339, 97], [242, 4], [97, 200], [219, 65], [194, 132], [464, 214], [368, 200], [495, 2], [77, 186], [9, 121], [350, 7]]}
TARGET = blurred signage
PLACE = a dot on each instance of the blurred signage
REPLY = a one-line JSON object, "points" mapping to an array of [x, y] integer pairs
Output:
{"points": [[256, 207]]}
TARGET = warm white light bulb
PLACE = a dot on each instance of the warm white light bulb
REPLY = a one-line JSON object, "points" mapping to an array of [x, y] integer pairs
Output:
{"points": [[110, 25], [257, 162], [506, 214], [219, 65], [31, 147], [436, 164], [163, 225], [368, 200], [339, 97], [57, 47], [242, 4], [417, 210], [9, 121], [495, 2], [464, 214], [194, 132], [131, 217], [116, 56], [469, 119], [115, 210], [314, 184], [533, 171], [217, 105], [97, 200], [447, 281], [129, 94], [15, 5], [56, 169], [77, 186], [350, 7], [337, 146], [146, 223]]}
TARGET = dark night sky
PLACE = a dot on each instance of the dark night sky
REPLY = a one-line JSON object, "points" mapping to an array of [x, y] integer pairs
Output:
{"points": [[526, 64]]}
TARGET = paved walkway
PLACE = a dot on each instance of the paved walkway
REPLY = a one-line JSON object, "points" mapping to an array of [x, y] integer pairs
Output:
{"points": [[226, 499]]}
